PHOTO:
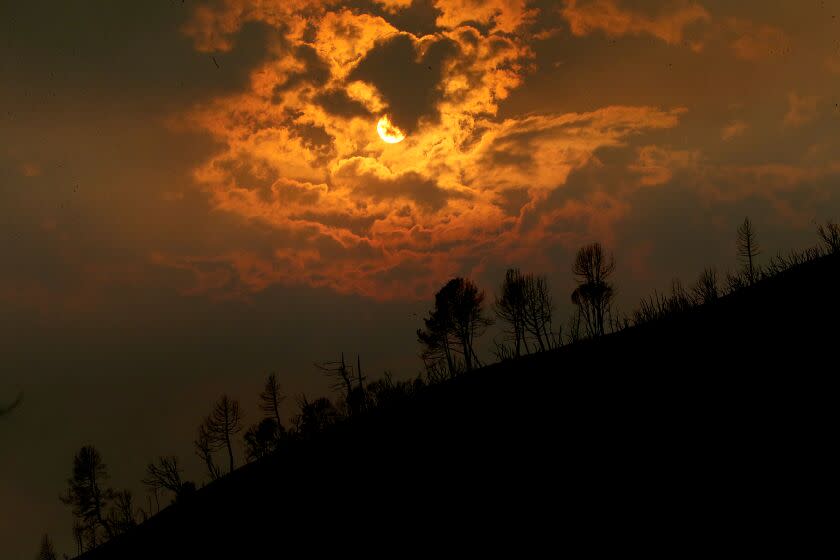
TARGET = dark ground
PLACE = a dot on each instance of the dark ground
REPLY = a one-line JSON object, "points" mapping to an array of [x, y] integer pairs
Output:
{"points": [[712, 432]]}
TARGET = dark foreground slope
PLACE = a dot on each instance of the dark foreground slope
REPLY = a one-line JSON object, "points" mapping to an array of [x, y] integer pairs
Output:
{"points": [[713, 431]]}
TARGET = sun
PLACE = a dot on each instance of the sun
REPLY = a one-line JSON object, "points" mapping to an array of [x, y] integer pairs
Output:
{"points": [[388, 131]]}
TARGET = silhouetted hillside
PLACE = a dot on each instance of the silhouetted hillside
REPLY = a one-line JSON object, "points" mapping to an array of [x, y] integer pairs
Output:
{"points": [[708, 431]]}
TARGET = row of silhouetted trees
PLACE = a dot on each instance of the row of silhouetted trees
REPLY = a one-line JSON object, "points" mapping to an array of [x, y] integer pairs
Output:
{"points": [[525, 311]]}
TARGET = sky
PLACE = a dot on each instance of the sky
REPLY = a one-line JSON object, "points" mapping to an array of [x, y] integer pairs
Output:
{"points": [[193, 194]]}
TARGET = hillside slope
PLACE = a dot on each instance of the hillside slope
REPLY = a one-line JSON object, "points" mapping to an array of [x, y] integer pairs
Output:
{"points": [[710, 431]]}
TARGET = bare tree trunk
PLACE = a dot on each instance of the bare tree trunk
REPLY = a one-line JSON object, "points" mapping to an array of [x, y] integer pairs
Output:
{"points": [[78, 536], [517, 339], [537, 334], [525, 339], [277, 411], [229, 448], [448, 353], [97, 493], [750, 258], [598, 320], [475, 356], [547, 336], [467, 353], [228, 428]]}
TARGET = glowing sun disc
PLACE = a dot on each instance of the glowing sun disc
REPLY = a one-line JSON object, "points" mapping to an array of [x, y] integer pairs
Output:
{"points": [[388, 132]]}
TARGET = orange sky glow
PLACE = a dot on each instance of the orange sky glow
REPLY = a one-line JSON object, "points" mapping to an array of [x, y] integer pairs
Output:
{"points": [[194, 193], [301, 155]]}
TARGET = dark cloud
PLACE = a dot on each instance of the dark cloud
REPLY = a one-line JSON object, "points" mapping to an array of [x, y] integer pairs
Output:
{"points": [[424, 192], [511, 201], [409, 79], [359, 225], [337, 102], [248, 174], [316, 72], [418, 18]]}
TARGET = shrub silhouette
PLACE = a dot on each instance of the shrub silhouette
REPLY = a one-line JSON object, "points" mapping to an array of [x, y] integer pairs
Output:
{"points": [[830, 236], [706, 291], [262, 439], [314, 417]]}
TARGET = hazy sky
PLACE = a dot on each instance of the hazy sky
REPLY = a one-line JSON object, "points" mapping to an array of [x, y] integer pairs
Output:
{"points": [[195, 193]]}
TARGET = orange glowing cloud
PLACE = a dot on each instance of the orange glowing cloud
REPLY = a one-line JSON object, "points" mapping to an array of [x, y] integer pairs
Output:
{"points": [[755, 41], [501, 15], [213, 26], [801, 109], [657, 165], [732, 130], [394, 5], [29, 169], [748, 40], [609, 17], [301, 154]]}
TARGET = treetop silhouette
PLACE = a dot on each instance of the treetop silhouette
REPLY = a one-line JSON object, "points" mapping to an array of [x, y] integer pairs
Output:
{"points": [[748, 248], [453, 325], [217, 431], [593, 296], [271, 398], [88, 496]]}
